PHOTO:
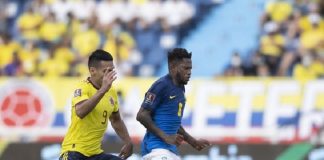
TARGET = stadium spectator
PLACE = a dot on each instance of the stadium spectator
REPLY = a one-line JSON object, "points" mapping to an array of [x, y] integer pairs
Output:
{"points": [[64, 54], [29, 23], [312, 31], [8, 47], [236, 67], [73, 25], [29, 55], [51, 31], [52, 67], [272, 46], [310, 68], [121, 44], [14, 68], [289, 31], [277, 11], [88, 39]]}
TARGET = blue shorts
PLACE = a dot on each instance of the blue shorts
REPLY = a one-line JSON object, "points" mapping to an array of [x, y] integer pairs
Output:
{"points": [[72, 155]]}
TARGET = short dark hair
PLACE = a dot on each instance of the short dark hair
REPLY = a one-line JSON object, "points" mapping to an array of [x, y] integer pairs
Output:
{"points": [[97, 56], [177, 54]]}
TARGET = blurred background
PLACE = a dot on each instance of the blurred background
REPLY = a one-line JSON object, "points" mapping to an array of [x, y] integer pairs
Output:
{"points": [[256, 90]]}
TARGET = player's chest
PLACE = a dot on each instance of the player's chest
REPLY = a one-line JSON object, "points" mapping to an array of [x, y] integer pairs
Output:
{"points": [[174, 97], [107, 103]]}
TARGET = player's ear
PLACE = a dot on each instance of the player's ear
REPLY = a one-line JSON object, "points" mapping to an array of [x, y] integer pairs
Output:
{"points": [[172, 65], [92, 70]]}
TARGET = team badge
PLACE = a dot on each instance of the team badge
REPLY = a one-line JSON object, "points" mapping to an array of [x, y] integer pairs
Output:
{"points": [[77, 93], [149, 98]]}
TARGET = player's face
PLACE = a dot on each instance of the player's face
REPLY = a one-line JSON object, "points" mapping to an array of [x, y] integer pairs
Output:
{"points": [[184, 71], [102, 68]]}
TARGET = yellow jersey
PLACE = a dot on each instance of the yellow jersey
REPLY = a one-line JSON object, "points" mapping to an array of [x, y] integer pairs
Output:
{"points": [[270, 45], [85, 135]]}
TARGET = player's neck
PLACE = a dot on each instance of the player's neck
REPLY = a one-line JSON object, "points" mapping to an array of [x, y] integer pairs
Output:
{"points": [[174, 80], [94, 83]]}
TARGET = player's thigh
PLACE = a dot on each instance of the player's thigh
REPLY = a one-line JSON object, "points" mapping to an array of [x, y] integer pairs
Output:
{"points": [[72, 156], [104, 156]]}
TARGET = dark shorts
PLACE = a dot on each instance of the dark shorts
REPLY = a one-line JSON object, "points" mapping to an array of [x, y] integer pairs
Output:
{"points": [[71, 155]]}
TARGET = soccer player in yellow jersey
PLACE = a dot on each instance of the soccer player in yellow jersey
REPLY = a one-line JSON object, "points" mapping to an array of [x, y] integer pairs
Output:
{"points": [[94, 103]]}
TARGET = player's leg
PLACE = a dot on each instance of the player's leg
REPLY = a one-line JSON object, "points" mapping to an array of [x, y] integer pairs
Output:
{"points": [[161, 154], [105, 156], [72, 156]]}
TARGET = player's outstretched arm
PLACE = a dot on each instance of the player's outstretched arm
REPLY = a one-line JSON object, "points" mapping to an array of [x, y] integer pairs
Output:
{"points": [[85, 107], [197, 144], [144, 117], [120, 128]]}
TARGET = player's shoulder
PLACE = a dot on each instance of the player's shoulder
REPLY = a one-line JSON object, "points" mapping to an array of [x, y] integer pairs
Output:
{"points": [[161, 83], [113, 89], [83, 83]]}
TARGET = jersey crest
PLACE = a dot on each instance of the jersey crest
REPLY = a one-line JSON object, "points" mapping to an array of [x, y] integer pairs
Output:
{"points": [[77, 92], [149, 98]]}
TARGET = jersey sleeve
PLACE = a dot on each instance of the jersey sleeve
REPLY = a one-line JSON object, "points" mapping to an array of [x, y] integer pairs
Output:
{"points": [[80, 94], [153, 96], [116, 101]]}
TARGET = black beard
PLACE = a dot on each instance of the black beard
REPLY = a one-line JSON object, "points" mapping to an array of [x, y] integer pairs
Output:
{"points": [[179, 79]]}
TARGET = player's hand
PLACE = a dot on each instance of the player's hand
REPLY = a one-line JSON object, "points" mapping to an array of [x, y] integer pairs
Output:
{"points": [[200, 144], [107, 80], [126, 151], [176, 139]]}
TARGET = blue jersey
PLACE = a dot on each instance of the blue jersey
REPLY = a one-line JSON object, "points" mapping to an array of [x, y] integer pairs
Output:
{"points": [[166, 102]]}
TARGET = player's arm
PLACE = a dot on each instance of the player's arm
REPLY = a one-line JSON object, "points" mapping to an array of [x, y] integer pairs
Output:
{"points": [[197, 144], [83, 108], [121, 130], [144, 117]]}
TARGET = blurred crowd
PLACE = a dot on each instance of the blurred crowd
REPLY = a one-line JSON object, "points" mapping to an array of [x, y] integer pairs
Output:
{"points": [[291, 42], [54, 37]]}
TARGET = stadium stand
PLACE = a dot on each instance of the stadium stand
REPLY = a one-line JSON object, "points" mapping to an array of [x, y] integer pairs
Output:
{"points": [[216, 37], [290, 44], [281, 38], [46, 37]]}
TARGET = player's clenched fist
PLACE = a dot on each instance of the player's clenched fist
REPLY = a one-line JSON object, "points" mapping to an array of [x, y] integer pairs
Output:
{"points": [[200, 144]]}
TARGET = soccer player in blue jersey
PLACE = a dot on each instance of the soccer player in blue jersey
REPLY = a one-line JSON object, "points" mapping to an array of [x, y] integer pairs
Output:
{"points": [[162, 109]]}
